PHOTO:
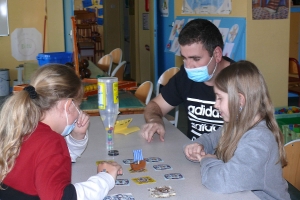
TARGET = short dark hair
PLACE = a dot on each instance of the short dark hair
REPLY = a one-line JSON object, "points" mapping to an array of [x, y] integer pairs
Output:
{"points": [[201, 31]]}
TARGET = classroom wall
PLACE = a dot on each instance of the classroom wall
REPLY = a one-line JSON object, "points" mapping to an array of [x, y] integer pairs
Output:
{"points": [[31, 14], [143, 42], [267, 46]]}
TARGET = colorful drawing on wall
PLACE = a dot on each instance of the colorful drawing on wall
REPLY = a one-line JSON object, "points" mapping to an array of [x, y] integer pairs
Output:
{"points": [[270, 9], [164, 8], [233, 32], [206, 7]]}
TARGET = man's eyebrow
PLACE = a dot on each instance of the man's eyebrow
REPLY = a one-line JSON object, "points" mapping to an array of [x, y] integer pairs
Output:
{"points": [[190, 56]]}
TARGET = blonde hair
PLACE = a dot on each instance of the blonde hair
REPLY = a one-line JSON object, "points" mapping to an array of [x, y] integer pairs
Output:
{"points": [[244, 78], [20, 114]]}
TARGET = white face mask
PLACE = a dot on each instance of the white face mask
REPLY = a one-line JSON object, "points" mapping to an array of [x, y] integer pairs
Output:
{"points": [[69, 128]]}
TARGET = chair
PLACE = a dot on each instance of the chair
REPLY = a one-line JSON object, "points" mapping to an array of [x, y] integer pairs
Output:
{"points": [[116, 56], [119, 71], [105, 64], [162, 81], [294, 71], [291, 172], [144, 92]]}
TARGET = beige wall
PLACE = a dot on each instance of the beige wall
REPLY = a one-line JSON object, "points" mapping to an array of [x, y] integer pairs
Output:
{"points": [[30, 14], [267, 45]]}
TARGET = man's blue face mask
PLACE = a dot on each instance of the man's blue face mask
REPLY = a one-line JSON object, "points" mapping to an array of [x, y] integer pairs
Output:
{"points": [[200, 74]]}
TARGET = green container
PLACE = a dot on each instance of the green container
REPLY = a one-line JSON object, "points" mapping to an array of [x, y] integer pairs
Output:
{"points": [[287, 127]]}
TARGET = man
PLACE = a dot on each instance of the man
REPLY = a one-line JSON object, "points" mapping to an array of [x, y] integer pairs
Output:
{"points": [[201, 46]]}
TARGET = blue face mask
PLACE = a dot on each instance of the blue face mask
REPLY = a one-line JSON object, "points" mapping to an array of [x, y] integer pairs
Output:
{"points": [[69, 128], [200, 74]]}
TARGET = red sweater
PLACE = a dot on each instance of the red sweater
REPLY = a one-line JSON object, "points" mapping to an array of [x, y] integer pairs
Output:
{"points": [[43, 167]]}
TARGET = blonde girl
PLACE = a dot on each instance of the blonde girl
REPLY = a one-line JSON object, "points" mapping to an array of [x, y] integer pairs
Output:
{"points": [[247, 152], [35, 158]]}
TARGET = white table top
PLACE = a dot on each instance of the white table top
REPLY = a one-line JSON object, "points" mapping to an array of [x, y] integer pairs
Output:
{"points": [[170, 152]]}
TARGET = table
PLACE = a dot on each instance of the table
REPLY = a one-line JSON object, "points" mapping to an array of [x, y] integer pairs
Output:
{"points": [[170, 151], [128, 104]]}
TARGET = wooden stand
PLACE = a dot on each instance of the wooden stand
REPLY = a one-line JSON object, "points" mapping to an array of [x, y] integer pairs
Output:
{"points": [[138, 167]]}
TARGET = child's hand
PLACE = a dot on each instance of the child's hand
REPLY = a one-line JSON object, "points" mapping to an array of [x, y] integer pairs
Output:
{"points": [[81, 126], [110, 167], [194, 152]]}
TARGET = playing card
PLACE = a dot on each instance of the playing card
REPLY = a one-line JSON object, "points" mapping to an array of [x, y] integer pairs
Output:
{"points": [[124, 196], [143, 180], [162, 192], [174, 176], [124, 182], [101, 161], [162, 167], [153, 159], [127, 161]]}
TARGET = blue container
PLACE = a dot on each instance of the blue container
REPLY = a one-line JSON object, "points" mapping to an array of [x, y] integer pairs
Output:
{"points": [[54, 57]]}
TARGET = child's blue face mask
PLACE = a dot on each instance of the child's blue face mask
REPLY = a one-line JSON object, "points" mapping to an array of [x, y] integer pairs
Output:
{"points": [[200, 74], [69, 128]]}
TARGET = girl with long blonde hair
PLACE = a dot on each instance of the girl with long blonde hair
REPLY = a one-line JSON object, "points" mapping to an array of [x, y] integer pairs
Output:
{"points": [[41, 131], [247, 152]]}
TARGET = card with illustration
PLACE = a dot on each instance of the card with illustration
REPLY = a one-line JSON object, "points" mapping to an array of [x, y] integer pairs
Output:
{"points": [[127, 161], [123, 182], [143, 180], [174, 176], [153, 159], [162, 167], [101, 161], [123, 196]]}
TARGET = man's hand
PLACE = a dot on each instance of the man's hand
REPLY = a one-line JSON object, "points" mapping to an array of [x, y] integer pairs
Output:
{"points": [[154, 112], [149, 129]]}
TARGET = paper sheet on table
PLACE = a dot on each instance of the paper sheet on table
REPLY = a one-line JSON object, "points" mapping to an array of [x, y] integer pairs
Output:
{"points": [[121, 127]]}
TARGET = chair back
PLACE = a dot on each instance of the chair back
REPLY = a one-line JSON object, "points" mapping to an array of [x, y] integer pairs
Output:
{"points": [[119, 71], [116, 56], [105, 64], [163, 80], [294, 67], [144, 92], [291, 172], [165, 77]]}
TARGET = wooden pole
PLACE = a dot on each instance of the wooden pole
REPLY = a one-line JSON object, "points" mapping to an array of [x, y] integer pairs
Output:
{"points": [[75, 49]]}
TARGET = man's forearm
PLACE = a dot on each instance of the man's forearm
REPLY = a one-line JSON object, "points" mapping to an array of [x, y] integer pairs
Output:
{"points": [[153, 113]]}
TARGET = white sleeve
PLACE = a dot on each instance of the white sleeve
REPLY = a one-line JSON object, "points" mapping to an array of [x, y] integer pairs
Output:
{"points": [[76, 147], [96, 187]]}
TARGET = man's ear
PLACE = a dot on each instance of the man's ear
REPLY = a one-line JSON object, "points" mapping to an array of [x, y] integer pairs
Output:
{"points": [[218, 54]]}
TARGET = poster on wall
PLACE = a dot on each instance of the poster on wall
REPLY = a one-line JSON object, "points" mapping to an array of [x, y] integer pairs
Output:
{"points": [[26, 44], [270, 9], [164, 8], [206, 7], [232, 30]]}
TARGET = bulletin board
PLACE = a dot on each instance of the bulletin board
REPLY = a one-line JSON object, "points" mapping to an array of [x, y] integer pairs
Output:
{"points": [[232, 30]]}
